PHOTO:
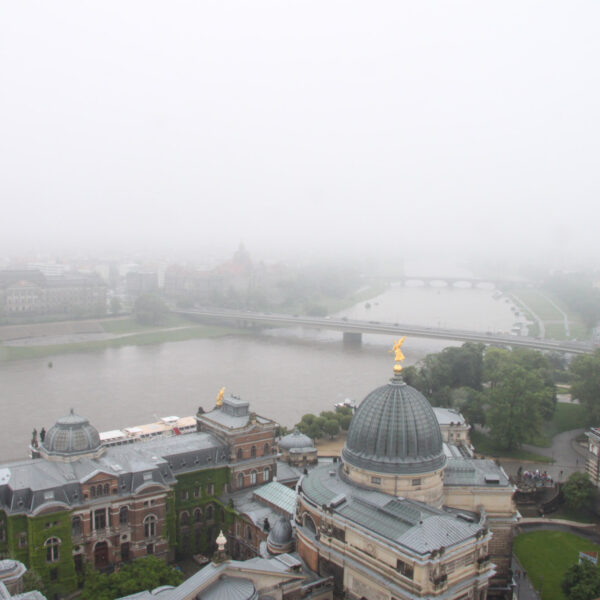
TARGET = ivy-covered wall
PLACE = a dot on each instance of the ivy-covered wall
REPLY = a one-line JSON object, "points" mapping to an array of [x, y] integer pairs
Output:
{"points": [[198, 490], [25, 541]]}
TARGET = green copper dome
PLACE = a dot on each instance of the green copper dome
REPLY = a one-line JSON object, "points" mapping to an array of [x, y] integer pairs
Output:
{"points": [[394, 430]]}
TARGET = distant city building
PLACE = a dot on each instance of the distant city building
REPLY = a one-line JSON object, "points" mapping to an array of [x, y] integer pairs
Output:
{"points": [[26, 293], [141, 282]]}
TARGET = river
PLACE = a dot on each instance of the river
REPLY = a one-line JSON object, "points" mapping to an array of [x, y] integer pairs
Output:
{"points": [[282, 373]]}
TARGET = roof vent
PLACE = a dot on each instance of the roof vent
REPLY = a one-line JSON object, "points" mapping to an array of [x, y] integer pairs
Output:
{"points": [[492, 479], [335, 502], [464, 517]]}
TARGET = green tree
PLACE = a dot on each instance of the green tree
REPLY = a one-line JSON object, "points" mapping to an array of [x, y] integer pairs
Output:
{"points": [[578, 491], [150, 309], [345, 422], [581, 581], [144, 573], [331, 428], [585, 385], [514, 415]]}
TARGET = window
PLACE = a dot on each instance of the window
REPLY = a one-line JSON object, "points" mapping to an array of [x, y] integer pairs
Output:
{"points": [[404, 569], [150, 527], [210, 511], [267, 474], [248, 533], [150, 549], [23, 540], [253, 451], [253, 478], [52, 545], [100, 519], [266, 449], [123, 515], [416, 481], [185, 495], [76, 526], [99, 491], [92, 492], [240, 454], [197, 515], [196, 492], [210, 489], [376, 480], [240, 480], [184, 518]]}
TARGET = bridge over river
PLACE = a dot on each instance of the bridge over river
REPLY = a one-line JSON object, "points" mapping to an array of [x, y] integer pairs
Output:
{"points": [[352, 330]]}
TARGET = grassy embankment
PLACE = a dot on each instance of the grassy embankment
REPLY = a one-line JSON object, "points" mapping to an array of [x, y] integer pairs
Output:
{"points": [[552, 318], [129, 333], [546, 556]]}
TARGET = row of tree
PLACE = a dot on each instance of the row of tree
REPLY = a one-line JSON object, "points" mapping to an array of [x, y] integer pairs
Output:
{"points": [[328, 423]]}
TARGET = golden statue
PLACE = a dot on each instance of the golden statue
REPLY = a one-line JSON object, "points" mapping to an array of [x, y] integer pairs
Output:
{"points": [[398, 354], [220, 396]]}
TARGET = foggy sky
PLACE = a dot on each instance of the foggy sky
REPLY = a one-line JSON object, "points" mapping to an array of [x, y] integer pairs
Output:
{"points": [[301, 126]]}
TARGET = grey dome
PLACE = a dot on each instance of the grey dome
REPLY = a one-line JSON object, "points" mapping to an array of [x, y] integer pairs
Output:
{"points": [[394, 430], [281, 532], [71, 435], [295, 440], [281, 537]]}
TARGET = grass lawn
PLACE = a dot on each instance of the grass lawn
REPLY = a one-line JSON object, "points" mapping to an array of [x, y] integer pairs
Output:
{"points": [[583, 515], [485, 445], [135, 339], [538, 304], [546, 555], [566, 417]]}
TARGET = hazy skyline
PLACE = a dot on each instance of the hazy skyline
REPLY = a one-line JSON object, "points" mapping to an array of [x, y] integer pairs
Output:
{"points": [[301, 127]]}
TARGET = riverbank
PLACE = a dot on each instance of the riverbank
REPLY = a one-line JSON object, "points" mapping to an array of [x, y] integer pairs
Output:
{"points": [[68, 337]]}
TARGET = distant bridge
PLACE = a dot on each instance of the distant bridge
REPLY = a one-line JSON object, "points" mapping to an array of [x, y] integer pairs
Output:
{"points": [[441, 281], [353, 329]]}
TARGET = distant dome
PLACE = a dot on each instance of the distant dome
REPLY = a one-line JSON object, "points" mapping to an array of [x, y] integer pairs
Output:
{"points": [[394, 430], [295, 440], [71, 436], [281, 536]]}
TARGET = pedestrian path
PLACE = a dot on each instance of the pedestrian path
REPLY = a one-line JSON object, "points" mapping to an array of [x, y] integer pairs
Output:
{"points": [[524, 588]]}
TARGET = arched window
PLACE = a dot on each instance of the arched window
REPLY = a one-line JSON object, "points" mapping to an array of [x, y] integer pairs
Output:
{"points": [[253, 451], [266, 474], [209, 512], [124, 515], [240, 480], [197, 515], [248, 533], [184, 518], [93, 492], [310, 524], [106, 489], [52, 545], [99, 491], [240, 454], [266, 449], [76, 526], [253, 478], [150, 526]]}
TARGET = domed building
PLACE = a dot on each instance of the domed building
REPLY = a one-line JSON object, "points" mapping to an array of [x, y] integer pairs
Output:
{"points": [[394, 444], [401, 516], [297, 449], [281, 537], [71, 438]]}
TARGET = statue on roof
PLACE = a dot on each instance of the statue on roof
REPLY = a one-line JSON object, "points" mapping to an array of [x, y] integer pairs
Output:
{"points": [[220, 396], [398, 354]]}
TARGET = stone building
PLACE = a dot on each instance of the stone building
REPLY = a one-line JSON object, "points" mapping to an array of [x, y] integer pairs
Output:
{"points": [[592, 463], [297, 449], [78, 501], [400, 517]]}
